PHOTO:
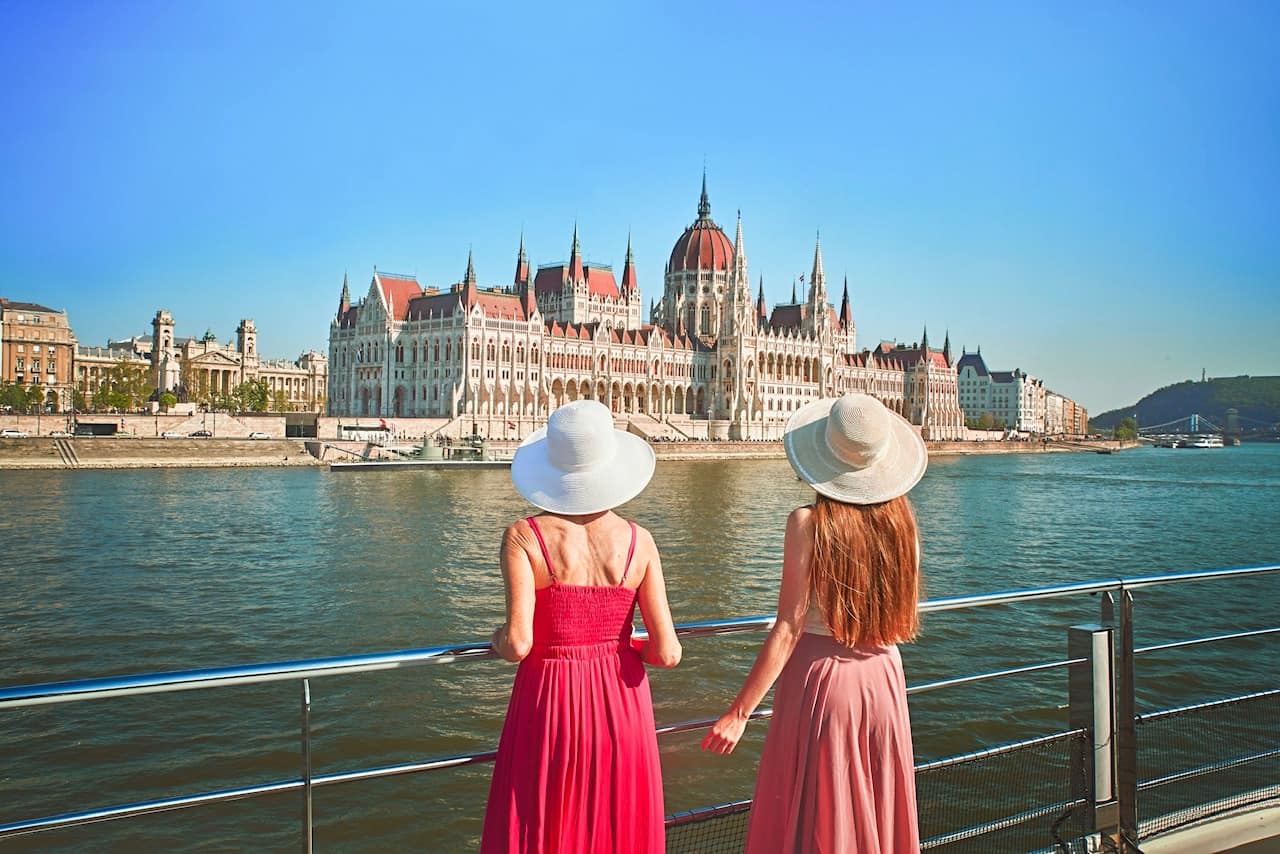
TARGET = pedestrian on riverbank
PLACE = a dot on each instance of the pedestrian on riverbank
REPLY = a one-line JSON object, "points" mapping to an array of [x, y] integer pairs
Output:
{"points": [[577, 767], [836, 772]]}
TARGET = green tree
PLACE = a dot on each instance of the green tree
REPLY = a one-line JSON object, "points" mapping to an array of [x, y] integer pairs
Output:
{"points": [[251, 396], [168, 400], [35, 398], [13, 396], [78, 401], [1127, 429], [279, 402]]}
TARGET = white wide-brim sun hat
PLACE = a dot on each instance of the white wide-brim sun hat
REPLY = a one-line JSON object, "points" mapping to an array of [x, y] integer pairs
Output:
{"points": [[855, 449], [580, 464]]}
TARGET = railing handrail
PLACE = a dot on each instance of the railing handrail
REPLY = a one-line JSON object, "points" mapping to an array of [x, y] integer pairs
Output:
{"points": [[187, 680]]}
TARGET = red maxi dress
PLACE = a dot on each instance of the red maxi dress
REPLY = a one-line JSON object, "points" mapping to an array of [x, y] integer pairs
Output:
{"points": [[577, 767]]}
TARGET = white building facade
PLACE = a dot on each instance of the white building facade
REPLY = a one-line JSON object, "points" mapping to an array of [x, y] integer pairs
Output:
{"points": [[711, 361]]}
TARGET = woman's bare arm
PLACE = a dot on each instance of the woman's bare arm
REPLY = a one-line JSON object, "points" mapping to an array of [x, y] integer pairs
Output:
{"points": [[514, 638], [793, 606], [662, 649]]}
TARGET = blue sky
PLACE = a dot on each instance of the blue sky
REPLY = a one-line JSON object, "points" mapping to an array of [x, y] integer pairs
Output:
{"points": [[1090, 192]]}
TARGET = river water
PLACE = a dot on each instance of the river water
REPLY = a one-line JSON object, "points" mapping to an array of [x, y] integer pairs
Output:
{"points": [[116, 572]]}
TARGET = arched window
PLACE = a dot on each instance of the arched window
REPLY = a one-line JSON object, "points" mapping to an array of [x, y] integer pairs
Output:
{"points": [[475, 349], [706, 320]]}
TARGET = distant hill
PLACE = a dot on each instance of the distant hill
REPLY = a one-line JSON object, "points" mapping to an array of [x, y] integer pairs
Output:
{"points": [[1257, 399]]}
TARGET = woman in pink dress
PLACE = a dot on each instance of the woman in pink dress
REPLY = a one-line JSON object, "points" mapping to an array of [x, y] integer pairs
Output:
{"points": [[836, 773], [577, 767]]}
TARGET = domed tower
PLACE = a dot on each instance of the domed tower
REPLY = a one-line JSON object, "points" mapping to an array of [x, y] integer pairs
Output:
{"points": [[698, 276]]}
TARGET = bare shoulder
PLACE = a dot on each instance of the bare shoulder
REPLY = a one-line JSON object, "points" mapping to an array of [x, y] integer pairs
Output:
{"points": [[517, 534], [800, 520]]}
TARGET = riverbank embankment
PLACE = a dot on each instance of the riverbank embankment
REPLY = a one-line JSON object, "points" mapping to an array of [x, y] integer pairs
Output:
{"points": [[107, 452]]}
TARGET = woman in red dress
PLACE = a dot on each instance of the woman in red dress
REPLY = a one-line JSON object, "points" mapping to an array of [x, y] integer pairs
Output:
{"points": [[577, 767], [836, 773]]}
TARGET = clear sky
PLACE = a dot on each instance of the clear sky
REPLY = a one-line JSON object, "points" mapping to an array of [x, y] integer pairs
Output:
{"points": [[1089, 191]]}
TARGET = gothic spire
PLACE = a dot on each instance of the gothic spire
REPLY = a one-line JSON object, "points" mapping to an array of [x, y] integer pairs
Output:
{"points": [[628, 269], [344, 302], [739, 248], [470, 277], [704, 204], [794, 301], [817, 277], [761, 308], [575, 258], [946, 347], [846, 314], [522, 263], [924, 341]]}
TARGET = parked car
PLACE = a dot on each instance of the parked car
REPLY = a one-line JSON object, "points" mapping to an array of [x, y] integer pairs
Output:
{"points": [[171, 434], [13, 433], [59, 434], [201, 434], [258, 434]]}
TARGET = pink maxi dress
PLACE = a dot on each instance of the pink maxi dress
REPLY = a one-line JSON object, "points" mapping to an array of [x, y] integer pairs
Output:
{"points": [[836, 773], [577, 767]]}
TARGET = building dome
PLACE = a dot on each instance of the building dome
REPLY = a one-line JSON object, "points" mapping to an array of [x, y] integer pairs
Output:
{"points": [[703, 246]]}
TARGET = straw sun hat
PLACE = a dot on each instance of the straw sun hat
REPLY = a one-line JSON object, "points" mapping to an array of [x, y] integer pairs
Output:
{"points": [[854, 449], [580, 464]]}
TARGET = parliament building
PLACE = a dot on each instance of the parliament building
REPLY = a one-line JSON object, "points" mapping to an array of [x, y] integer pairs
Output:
{"points": [[711, 362]]}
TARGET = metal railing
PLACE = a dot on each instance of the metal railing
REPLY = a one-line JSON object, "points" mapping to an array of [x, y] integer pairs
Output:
{"points": [[1101, 706]]}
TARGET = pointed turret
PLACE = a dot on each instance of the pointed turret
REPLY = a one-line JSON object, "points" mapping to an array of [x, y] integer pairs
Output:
{"points": [[739, 248], [575, 259], [946, 347], [344, 301], [794, 301], [846, 313], [818, 312], [762, 310], [522, 263], [924, 339], [704, 203], [817, 276], [628, 270], [469, 289]]}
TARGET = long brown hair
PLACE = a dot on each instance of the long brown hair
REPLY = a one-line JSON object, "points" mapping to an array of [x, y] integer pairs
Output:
{"points": [[865, 576]]}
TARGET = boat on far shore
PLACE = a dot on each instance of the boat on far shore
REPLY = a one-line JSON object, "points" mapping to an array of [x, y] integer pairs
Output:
{"points": [[1211, 441]]}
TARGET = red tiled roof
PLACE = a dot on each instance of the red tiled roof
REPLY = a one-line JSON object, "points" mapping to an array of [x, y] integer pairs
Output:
{"points": [[703, 246], [399, 291], [600, 281], [787, 316]]}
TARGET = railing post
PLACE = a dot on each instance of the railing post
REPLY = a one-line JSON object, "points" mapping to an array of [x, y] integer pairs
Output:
{"points": [[1126, 734], [306, 766], [1091, 687]]}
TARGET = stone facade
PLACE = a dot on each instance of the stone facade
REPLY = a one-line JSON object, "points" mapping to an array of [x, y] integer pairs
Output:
{"points": [[1016, 398], [204, 368], [711, 361], [37, 347]]}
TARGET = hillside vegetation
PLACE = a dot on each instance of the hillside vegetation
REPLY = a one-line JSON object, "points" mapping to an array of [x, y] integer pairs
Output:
{"points": [[1256, 398]]}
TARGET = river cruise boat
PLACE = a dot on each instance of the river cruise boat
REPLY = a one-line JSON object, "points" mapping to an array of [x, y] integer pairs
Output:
{"points": [[1203, 442]]}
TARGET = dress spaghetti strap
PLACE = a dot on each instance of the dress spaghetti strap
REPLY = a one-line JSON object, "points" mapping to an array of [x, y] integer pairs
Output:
{"points": [[631, 551], [543, 545]]}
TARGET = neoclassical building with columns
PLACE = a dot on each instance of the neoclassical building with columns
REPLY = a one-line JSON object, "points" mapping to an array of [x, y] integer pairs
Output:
{"points": [[712, 361]]}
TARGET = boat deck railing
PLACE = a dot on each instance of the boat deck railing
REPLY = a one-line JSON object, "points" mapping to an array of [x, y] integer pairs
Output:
{"points": [[1077, 789]]}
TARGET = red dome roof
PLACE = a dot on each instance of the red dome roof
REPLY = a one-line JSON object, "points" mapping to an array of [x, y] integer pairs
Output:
{"points": [[703, 246]]}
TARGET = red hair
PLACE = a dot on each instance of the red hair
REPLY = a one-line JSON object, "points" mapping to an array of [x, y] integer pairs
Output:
{"points": [[865, 577]]}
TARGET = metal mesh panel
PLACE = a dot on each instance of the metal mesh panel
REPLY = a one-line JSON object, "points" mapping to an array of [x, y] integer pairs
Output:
{"points": [[713, 830], [1012, 798], [1204, 760]]}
